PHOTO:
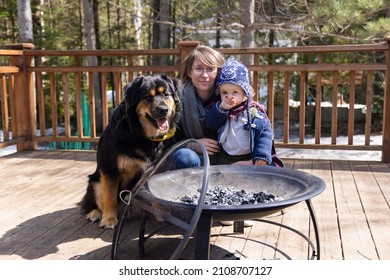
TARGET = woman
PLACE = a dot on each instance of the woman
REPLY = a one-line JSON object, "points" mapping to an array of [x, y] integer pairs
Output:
{"points": [[201, 67]]}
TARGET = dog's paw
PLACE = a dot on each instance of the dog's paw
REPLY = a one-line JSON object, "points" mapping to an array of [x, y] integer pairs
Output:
{"points": [[94, 215], [108, 222]]}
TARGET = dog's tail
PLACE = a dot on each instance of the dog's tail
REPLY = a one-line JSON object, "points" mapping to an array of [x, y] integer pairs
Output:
{"points": [[88, 203]]}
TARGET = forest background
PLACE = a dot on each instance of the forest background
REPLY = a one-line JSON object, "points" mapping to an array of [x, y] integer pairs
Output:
{"points": [[147, 24], [156, 24]]}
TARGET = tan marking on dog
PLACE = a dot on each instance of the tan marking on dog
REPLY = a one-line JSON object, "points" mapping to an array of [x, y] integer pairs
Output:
{"points": [[161, 89], [171, 103], [109, 192], [153, 92], [150, 130], [96, 214], [128, 166]]}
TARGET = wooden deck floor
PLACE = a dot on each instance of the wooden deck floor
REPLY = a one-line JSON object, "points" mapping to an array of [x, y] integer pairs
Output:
{"points": [[40, 218]]}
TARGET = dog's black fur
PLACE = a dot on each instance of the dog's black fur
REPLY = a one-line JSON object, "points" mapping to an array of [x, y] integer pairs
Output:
{"points": [[133, 139]]}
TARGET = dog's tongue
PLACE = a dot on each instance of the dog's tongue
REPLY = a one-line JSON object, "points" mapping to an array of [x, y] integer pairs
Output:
{"points": [[163, 124]]}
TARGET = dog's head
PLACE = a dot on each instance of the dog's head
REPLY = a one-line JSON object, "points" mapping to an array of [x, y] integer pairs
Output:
{"points": [[156, 104]]}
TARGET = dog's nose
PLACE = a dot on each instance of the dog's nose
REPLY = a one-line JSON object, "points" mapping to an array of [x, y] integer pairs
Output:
{"points": [[163, 111]]}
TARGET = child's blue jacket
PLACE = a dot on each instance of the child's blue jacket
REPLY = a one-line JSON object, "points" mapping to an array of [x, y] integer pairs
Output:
{"points": [[260, 132]]}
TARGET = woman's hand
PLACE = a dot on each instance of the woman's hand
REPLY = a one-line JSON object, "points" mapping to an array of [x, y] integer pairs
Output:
{"points": [[249, 162], [211, 146], [243, 162]]}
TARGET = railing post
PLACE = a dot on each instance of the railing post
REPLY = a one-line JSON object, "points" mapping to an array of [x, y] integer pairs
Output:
{"points": [[185, 48], [24, 98], [386, 110]]}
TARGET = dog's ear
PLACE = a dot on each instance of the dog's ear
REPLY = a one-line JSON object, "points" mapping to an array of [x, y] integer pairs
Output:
{"points": [[130, 90], [175, 86]]}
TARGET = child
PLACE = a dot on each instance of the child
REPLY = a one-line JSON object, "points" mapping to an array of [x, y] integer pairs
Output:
{"points": [[244, 131]]}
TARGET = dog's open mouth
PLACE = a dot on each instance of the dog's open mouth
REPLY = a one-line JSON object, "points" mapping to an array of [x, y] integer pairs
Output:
{"points": [[161, 123]]}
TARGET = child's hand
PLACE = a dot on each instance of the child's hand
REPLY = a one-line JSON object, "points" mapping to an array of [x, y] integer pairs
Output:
{"points": [[261, 162], [228, 103]]}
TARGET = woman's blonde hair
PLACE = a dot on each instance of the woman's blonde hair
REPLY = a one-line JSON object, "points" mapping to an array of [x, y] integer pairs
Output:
{"points": [[208, 56]]}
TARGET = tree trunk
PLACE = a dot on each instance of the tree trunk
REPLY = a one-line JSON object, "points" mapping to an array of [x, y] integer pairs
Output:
{"points": [[156, 29], [25, 21], [90, 37], [219, 21], [164, 29], [137, 23], [247, 14], [247, 35], [117, 24]]}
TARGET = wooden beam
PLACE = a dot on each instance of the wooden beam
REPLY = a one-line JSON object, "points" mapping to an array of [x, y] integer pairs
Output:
{"points": [[24, 99], [386, 110]]}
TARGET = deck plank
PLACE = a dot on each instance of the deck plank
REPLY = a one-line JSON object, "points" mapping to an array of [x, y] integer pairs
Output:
{"points": [[355, 235], [375, 207], [296, 217], [263, 239], [326, 213]]}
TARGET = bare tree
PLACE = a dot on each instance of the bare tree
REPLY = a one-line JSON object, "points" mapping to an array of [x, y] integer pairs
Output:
{"points": [[155, 28], [164, 29], [90, 37], [25, 21], [137, 22], [247, 9]]}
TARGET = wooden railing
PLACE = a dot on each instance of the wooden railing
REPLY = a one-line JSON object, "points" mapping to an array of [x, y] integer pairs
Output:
{"points": [[28, 84]]}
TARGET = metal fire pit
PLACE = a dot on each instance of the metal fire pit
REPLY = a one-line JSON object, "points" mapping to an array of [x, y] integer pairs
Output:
{"points": [[292, 186], [164, 191], [159, 193]]}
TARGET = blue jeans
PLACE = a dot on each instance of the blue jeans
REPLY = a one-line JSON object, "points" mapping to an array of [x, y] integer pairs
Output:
{"points": [[183, 158]]}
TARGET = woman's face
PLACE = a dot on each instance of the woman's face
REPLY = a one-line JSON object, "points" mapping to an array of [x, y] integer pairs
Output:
{"points": [[203, 77]]}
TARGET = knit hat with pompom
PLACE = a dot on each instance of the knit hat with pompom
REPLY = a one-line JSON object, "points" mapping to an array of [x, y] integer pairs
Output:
{"points": [[234, 72]]}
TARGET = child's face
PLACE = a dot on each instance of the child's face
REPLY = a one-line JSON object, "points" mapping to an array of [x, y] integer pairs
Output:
{"points": [[232, 94]]}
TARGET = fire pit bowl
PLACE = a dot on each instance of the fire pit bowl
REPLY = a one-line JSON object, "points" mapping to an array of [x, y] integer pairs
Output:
{"points": [[160, 192], [290, 186]]}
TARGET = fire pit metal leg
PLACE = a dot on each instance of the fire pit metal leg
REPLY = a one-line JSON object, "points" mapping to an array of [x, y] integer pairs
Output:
{"points": [[117, 234], [203, 233], [315, 227]]}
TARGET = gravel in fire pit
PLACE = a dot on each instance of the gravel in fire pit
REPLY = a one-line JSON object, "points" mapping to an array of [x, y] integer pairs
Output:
{"points": [[220, 195]]}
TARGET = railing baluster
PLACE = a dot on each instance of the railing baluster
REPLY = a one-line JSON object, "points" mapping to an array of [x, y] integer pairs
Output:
{"points": [[118, 89], [53, 101], [335, 91], [4, 107], [41, 104], [79, 108], [104, 99], [65, 88], [286, 107], [368, 108], [302, 107], [92, 114], [271, 97], [351, 110], [317, 125]]}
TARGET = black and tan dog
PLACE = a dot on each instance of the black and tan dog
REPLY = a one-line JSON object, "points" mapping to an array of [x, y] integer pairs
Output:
{"points": [[139, 131]]}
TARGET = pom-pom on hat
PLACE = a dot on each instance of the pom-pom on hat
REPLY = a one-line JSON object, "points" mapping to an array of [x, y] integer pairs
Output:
{"points": [[234, 72]]}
